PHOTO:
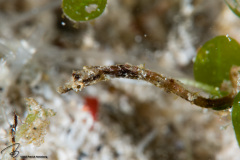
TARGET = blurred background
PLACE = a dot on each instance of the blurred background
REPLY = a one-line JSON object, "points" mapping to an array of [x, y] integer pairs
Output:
{"points": [[119, 119]]}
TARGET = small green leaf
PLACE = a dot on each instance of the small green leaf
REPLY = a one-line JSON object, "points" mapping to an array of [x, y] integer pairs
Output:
{"points": [[234, 5], [214, 91], [83, 10], [236, 117], [215, 59]]}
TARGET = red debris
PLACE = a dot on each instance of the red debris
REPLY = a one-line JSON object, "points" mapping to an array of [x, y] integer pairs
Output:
{"points": [[91, 105]]}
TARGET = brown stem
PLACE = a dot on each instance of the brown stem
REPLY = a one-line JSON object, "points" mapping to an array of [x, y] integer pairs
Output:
{"points": [[95, 74]]}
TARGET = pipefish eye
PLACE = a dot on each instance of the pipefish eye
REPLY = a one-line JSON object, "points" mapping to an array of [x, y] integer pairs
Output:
{"points": [[76, 76]]}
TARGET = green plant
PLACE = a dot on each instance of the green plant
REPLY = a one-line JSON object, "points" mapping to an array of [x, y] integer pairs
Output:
{"points": [[234, 5], [236, 116], [83, 10], [214, 60], [212, 67]]}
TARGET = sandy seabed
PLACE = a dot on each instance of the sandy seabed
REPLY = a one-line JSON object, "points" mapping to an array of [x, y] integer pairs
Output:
{"points": [[39, 48]]}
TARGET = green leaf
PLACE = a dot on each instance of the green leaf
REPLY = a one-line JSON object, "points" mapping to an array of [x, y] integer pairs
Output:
{"points": [[234, 5], [214, 91], [83, 10], [215, 59], [236, 117]]}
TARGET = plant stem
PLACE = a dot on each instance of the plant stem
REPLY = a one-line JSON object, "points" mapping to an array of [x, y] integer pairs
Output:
{"points": [[94, 74]]}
